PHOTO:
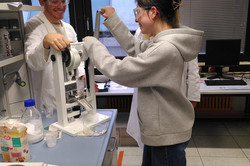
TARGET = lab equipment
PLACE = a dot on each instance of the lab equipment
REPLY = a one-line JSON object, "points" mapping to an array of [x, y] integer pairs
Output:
{"points": [[32, 119], [13, 90], [67, 97], [18, 78]]}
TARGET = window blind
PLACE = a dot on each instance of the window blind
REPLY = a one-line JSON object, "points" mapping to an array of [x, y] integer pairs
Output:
{"points": [[219, 19]]}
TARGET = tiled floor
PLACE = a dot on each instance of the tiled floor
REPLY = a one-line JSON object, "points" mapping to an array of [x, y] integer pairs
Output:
{"points": [[213, 143]]}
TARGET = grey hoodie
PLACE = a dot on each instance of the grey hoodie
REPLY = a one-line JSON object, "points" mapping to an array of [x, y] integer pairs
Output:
{"points": [[165, 115]]}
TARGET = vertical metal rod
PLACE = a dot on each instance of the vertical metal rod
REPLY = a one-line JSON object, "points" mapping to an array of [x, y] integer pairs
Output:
{"points": [[64, 72], [96, 35], [97, 23]]}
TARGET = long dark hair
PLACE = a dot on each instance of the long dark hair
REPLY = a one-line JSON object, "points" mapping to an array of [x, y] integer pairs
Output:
{"points": [[168, 9]]}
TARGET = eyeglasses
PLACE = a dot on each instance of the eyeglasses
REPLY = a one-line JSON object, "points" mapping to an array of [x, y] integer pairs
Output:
{"points": [[137, 11], [57, 2]]}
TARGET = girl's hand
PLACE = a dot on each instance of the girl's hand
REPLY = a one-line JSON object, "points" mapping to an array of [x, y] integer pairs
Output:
{"points": [[107, 11], [194, 103]]}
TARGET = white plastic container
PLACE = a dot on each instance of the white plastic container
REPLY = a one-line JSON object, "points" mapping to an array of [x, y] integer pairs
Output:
{"points": [[5, 46], [33, 121], [51, 138]]}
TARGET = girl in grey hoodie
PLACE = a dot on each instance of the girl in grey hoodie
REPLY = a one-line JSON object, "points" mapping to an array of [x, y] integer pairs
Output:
{"points": [[155, 67]]}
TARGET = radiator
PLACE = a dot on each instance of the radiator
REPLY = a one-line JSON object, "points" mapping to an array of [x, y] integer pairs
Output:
{"points": [[207, 103], [214, 103], [121, 103]]}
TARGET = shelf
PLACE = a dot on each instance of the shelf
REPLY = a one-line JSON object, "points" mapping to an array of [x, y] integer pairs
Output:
{"points": [[11, 60], [6, 7]]}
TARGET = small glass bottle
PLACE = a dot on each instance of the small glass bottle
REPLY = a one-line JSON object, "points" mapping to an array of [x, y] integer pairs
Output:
{"points": [[32, 119]]}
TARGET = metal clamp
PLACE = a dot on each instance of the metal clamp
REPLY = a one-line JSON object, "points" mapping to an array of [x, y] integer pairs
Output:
{"points": [[114, 145], [18, 78]]}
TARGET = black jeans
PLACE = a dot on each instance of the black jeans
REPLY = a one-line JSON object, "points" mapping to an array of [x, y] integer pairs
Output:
{"points": [[173, 155]]}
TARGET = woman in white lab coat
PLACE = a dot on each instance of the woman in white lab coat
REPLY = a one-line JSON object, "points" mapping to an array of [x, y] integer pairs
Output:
{"points": [[190, 86], [40, 33]]}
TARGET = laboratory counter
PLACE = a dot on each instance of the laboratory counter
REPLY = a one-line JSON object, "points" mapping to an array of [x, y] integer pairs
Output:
{"points": [[79, 150]]}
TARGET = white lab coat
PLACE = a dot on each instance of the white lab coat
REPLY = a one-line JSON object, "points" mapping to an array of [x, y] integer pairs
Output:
{"points": [[41, 70], [190, 86]]}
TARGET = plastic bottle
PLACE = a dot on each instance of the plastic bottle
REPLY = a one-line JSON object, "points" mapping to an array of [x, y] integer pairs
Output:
{"points": [[33, 121]]}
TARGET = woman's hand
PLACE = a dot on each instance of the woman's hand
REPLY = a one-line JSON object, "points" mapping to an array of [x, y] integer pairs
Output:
{"points": [[107, 11]]}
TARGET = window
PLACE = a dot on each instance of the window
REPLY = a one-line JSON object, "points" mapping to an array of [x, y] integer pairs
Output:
{"points": [[123, 8], [125, 11]]}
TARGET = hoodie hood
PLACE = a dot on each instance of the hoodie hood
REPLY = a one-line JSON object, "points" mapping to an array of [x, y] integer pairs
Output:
{"points": [[186, 40]]}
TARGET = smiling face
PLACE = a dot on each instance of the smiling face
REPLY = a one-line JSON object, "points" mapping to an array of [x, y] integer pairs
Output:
{"points": [[53, 13], [144, 20]]}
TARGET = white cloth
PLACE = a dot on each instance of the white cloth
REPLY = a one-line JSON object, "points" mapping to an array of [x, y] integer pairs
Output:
{"points": [[190, 86], [133, 127], [41, 70], [191, 80]]}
